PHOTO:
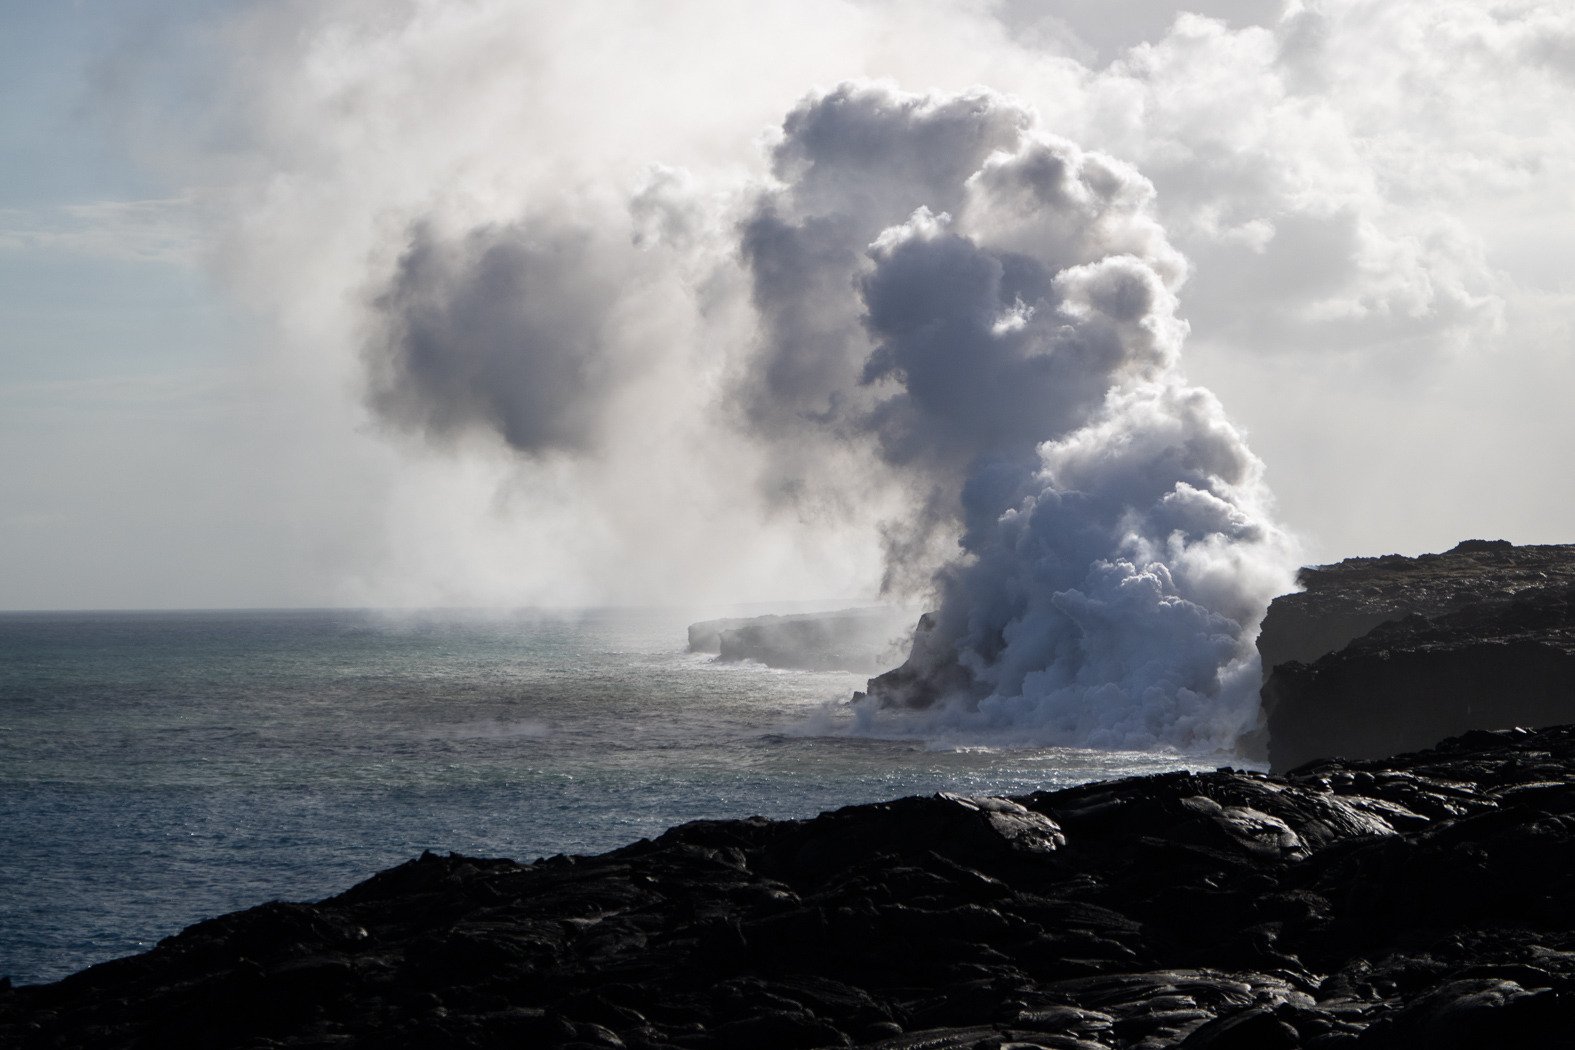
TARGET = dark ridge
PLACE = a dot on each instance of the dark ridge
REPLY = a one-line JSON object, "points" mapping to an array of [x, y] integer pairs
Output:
{"points": [[1341, 602], [1387, 654], [1418, 901]]}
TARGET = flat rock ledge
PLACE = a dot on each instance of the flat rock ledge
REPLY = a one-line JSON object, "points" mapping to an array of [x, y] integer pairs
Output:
{"points": [[1426, 900]]}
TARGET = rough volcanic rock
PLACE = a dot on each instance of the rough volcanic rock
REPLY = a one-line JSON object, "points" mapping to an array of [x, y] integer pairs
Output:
{"points": [[1417, 901], [1380, 655], [861, 641], [1339, 603]]}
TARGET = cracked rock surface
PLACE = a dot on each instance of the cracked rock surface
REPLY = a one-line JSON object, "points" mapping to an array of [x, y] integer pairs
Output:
{"points": [[1426, 900]]}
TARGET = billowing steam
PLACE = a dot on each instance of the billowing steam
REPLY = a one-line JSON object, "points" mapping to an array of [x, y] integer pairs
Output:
{"points": [[994, 310], [954, 303]]}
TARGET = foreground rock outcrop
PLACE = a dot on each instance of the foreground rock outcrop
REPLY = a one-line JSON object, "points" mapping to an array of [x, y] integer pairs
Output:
{"points": [[1379, 655], [1421, 901]]}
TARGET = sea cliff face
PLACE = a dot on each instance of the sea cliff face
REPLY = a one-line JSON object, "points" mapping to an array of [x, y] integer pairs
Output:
{"points": [[1379, 655], [860, 641], [1415, 901]]}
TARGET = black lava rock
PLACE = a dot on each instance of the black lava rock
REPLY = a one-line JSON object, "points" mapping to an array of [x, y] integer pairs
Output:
{"points": [[1423, 900]]}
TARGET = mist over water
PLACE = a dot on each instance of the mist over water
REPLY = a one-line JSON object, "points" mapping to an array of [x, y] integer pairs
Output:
{"points": [[950, 313]]}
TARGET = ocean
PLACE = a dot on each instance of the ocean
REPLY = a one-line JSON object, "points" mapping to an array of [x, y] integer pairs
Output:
{"points": [[158, 768]]}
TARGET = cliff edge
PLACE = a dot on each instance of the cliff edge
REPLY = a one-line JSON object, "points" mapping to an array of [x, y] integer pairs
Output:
{"points": [[1388, 654]]}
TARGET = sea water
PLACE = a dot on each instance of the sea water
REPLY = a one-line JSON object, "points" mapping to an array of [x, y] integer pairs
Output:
{"points": [[159, 768]]}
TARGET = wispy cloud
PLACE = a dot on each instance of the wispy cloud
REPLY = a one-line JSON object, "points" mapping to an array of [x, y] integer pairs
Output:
{"points": [[162, 231]]}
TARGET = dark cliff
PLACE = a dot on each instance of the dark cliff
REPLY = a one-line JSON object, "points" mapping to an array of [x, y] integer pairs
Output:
{"points": [[1417, 901], [1379, 655]]}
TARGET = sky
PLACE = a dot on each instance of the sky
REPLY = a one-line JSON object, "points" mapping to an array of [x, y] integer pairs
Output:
{"points": [[475, 303]]}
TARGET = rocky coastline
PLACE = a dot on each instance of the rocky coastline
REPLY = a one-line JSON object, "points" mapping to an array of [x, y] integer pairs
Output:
{"points": [[1425, 899]]}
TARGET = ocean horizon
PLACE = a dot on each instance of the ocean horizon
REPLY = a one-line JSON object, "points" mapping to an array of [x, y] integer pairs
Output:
{"points": [[159, 767]]}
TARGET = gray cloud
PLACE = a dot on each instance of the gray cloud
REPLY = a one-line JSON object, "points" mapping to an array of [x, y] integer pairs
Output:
{"points": [[499, 331], [850, 164]]}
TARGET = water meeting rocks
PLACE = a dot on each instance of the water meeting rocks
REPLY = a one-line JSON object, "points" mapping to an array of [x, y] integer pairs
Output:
{"points": [[1422, 900], [1379, 655]]}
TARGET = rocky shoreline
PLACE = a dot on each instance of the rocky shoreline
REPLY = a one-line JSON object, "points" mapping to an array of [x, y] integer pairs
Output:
{"points": [[1423, 900]]}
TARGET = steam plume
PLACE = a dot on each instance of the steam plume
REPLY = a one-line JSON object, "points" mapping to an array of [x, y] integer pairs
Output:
{"points": [[988, 312], [993, 310], [933, 300]]}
